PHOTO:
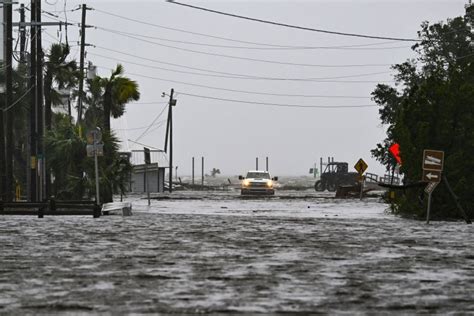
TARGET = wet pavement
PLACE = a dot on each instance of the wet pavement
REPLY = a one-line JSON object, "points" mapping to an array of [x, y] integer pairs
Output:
{"points": [[217, 253]]}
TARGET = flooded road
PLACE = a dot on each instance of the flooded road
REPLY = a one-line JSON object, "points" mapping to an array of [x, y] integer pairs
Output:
{"points": [[218, 253]]}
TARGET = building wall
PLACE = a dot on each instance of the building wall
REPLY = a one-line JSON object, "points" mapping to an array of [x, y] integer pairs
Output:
{"points": [[156, 177]]}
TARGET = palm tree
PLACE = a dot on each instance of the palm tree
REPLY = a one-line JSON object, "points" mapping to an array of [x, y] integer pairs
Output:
{"points": [[60, 74], [107, 98], [118, 91]]}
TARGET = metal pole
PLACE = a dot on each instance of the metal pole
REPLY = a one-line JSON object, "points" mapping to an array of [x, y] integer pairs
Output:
{"points": [[96, 162], [429, 209], [81, 64], [266, 164], [147, 184], [361, 186], [256, 163], [321, 166], [202, 172], [193, 170]]}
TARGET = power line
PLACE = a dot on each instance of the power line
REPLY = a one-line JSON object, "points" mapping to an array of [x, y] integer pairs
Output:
{"points": [[151, 125], [246, 58], [295, 26], [240, 76], [158, 124], [338, 47], [19, 99], [244, 91], [279, 104], [231, 90]]}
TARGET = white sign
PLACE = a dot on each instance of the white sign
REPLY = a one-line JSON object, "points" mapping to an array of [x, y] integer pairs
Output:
{"points": [[430, 187], [433, 160], [431, 176]]}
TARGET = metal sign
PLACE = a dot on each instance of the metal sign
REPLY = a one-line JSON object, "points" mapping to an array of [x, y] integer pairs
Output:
{"points": [[433, 160], [361, 166], [431, 187], [431, 176], [94, 135], [146, 151], [95, 149]]}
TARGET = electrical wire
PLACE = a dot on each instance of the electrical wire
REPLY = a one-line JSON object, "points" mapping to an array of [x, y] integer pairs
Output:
{"points": [[193, 33], [246, 58], [295, 26], [338, 47], [240, 76], [243, 91], [139, 128], [279, 104], [162, 62], [151, 125], [19, 99]]}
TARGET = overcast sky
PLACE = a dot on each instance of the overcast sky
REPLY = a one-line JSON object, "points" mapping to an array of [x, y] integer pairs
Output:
{"points": [[231, 135]]}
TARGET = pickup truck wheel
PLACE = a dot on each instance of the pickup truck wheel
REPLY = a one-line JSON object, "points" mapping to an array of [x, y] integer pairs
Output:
{"points": [[319, 186]]}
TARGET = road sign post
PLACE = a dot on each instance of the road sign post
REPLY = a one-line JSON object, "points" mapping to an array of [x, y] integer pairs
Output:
{"points": [[146, 152], [361, 166], [433, 162], [95, 148]]}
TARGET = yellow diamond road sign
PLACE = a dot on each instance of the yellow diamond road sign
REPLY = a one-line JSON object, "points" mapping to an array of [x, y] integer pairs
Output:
{"points": [[360, 166]]}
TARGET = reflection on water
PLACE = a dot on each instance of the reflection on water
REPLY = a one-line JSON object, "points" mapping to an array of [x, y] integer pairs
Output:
{"points": [[193, 256]]}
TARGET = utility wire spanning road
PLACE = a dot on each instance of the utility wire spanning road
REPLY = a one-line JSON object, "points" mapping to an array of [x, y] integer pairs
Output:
{"points": [[218, 253]]}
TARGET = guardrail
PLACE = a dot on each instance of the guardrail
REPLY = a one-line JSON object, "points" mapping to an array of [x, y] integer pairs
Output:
{"points": [[51, 207]]}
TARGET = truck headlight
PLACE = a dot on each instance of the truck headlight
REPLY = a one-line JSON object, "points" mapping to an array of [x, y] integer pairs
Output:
{"points": [[246, 183], [270, 183]]}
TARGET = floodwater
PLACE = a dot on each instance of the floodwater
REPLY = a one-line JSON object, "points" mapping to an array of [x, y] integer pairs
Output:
{"points": [[218, 253]]}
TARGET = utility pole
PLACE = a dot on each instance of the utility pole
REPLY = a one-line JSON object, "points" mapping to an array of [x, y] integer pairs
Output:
{"points": [[8, 57], [169, 130], [22, 31], [81, 63], [36, 125], [44, 185], [33, 179]]}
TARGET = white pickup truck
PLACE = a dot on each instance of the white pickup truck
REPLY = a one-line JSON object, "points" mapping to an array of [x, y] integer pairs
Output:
{"points": [[257, 182]]}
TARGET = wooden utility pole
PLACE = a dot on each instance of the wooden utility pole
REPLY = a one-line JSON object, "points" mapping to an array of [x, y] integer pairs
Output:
{"points": [[33, 178], [8, 59], [43, 184], [22, 30], [81, 64], [172, 102]]}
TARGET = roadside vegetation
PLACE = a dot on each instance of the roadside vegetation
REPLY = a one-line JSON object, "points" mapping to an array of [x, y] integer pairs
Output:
{"points": [[69, 170], [431, 106]]}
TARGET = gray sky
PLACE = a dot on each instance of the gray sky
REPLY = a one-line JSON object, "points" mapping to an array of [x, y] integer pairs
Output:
{"points": [[230, 135]]}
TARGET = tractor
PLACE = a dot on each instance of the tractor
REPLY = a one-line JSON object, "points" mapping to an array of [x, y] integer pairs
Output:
{"points": [[334, 175]]}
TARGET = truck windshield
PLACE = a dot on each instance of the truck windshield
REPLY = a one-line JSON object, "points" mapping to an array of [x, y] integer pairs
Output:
{"points": [[258, 175]]}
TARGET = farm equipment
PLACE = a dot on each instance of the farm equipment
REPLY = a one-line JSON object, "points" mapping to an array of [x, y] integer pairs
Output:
{"points": [[334, 175]]}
